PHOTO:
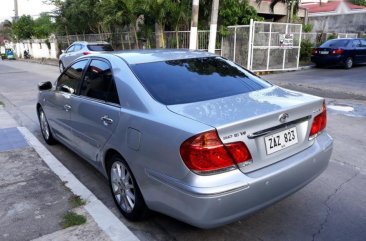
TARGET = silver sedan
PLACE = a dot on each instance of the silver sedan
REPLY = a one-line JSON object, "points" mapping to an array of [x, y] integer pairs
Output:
{"points": [[188, 134]]}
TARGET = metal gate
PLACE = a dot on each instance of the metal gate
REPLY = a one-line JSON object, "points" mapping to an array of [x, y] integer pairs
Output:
{"points": [[264, 46]]}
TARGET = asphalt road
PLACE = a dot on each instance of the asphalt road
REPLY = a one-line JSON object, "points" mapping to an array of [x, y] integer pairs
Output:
{"points": [[332, 207]]}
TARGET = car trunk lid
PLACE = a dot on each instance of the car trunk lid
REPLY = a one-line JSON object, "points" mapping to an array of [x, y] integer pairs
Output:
{"points": [[256, 118]]}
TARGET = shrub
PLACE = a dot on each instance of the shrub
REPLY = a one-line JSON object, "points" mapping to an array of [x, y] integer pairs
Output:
{"points": [[305, 50]]}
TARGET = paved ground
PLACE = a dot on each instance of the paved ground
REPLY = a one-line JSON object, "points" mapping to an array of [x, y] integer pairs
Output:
{"points": [[330, 208], [33, 198]]}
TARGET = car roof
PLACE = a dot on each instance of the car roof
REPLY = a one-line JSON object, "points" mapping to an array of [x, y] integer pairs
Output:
{"points": [[85, 42], [157, 55]]}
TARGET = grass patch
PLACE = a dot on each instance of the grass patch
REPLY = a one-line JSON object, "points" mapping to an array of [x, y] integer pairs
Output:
{"points": [[72, 219], [76, 201]]}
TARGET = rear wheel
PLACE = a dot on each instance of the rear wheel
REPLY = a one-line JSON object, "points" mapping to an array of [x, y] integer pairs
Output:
{"points": [[125, 191], [45, 128], [348, 63]]}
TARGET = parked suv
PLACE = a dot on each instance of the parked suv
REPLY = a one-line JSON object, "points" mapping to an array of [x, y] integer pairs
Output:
{"points": [[77, 49]]}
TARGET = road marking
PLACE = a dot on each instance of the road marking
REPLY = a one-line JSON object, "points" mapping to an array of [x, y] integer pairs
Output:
{"points": [[105, 219]]}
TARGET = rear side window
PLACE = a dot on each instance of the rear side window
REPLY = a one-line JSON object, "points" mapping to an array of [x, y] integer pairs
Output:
{"points": [[71, 49], [356, 43], [98, 82], [100, 47], [363, 43], [335, 43], [69, 81], [192, 80]]}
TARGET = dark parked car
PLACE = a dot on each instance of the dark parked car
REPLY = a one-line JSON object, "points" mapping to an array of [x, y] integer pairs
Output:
{"points": [[345, 52]]}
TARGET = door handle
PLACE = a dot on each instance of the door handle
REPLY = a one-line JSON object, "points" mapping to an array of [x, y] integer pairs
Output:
{"points": [[67, 107], [106, 120]]}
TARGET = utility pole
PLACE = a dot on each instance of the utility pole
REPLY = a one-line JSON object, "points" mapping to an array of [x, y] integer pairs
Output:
{"points": [[16, 16], [194, 24], [213, 26]]}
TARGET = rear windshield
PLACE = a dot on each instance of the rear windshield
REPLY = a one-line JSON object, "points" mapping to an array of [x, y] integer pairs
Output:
{"points": [[100, 47], [335, 43], [192, 80]]}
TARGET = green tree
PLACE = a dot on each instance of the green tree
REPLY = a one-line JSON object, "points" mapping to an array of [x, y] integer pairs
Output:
{"points": [[359, 2], [43, 26], [231, 12], [6, 29], [23, 28]]}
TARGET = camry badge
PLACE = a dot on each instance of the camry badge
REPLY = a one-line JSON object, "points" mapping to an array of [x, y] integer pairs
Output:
{"points": [[282, 118]]}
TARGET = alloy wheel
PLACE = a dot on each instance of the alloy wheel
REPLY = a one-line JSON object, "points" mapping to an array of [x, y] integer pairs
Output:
{"points": [[44, 125], [123, 186]]}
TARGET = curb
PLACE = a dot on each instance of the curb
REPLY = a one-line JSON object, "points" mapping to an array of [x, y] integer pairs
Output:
{"points": [[40, 61], [260, 73], [105, 219]]}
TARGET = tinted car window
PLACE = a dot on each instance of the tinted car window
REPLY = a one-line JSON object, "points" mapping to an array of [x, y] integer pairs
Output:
{"points": [[335, 43], [192, 80], [356, 43], [69, 81], [98, 82], [363, 42], [100, 47]]}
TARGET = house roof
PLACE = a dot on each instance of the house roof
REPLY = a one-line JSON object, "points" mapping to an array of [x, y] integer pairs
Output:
{"points": [[331, 6]]}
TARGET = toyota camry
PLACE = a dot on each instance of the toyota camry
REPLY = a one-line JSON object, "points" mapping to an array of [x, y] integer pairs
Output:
{"points": [[186, 133]]}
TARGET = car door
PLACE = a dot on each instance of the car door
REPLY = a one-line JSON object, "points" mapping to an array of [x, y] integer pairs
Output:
{"points": [[77, 52], [67, 59], [58, 108], [362, 50], [96, 110]]}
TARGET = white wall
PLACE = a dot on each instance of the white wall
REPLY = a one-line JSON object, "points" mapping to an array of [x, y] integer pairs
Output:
{"points": [[37, 49]]}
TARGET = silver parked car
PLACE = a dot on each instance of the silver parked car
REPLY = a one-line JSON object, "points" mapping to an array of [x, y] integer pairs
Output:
{"points": [[188, 134], [80, 48]]}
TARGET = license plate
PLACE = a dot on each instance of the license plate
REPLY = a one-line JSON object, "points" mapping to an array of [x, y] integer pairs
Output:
{"points": [[280, 140], [324, 52]]}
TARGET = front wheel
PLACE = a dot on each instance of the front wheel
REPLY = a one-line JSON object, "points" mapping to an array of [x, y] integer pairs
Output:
{"points": [[45, 128], [125, 191], [348, 63]]}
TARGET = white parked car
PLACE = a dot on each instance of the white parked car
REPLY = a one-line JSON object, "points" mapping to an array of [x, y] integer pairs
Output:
{"points": [[80, 48]]}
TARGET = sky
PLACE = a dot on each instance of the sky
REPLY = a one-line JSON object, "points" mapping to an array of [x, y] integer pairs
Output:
{"points": [[25, 7]]}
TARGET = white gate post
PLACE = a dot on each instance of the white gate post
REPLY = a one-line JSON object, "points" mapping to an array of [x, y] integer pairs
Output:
{"points": [[250, 44], [298, 51]]}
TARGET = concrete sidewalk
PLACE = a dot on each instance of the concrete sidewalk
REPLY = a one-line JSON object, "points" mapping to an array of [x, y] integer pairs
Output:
{"points": [[36, 192]]}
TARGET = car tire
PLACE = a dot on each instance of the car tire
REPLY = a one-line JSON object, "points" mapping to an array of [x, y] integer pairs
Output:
{"points": [[61, 66], [348, 63], [45, 128], [125, 191], [318, 65]]}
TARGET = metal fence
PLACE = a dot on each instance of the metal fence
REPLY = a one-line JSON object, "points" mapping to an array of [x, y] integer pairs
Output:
{"points": [[127, 40]]}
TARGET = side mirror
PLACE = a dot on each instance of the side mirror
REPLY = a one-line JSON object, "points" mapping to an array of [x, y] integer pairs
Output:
{"points": [[63, 51], [45, 86]]}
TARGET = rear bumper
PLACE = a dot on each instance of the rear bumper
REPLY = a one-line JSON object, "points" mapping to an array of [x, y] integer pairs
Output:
{"points": [[328, 59], [209, 207]]}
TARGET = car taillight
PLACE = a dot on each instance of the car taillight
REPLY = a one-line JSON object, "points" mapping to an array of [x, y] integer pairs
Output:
{"points": [[314, 51], [86, 53], [205, 153], [338, 51], [319, 123]]}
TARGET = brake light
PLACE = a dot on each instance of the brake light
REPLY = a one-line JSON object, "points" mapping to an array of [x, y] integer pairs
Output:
{"points": [[319, 123], [86, 53], [205, 153], [338, 51], [314, 51]]}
